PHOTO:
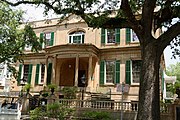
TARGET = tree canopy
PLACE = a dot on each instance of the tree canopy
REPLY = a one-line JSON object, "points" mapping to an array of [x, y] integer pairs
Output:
{"points": [[13, 38], [174, 70], [145, 17]]}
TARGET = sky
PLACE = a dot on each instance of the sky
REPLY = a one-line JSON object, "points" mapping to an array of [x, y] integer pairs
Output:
{"points": [[34, 13]]}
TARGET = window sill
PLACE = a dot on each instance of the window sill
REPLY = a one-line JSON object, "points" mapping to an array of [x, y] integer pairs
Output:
{"points": [[134, 84], [108, 85], [110, 44], [40, 84]]}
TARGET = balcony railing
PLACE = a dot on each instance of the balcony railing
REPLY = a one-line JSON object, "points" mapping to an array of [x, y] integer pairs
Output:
{"points": [[111, 105]]}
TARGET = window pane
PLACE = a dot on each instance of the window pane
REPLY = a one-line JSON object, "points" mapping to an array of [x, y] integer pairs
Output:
{"points": [[136, 68], [42, 72], [110, 71], [134, 36], [110, 35], [76, 37], [26, 70], [47, 39]]}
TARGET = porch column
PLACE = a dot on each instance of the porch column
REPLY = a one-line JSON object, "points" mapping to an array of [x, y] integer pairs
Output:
{"points": [[54, 69], [45, 75], [89, 72], [76, 70]]}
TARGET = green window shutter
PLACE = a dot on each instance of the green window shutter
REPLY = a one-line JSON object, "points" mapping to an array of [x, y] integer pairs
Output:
{"points": [[52, 39], [37, 74], [19, 74], [49, 72], [117, 31], [128, 72], [128, 35], [102, 63], [41, 38], [70, 37], [117, 71], [30, 73], [103, 36], [82, 38]]}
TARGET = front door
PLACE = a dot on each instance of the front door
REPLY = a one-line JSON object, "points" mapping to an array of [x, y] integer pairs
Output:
{"points": [[67, 73], [82, 78]]}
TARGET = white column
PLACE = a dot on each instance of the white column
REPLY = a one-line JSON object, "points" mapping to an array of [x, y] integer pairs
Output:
{"points": [[76, 71], [54, 69], [90, 71]]}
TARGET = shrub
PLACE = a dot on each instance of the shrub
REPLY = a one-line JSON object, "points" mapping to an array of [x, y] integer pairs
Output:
{"points": [[53, 110], [97, 115], [69, 92]]}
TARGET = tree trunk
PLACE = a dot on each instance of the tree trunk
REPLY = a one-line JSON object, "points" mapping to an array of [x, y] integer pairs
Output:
{"points": [[149, 93]]}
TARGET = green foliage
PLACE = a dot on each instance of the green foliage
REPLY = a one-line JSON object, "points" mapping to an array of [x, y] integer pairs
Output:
{"points": [[97, 115], [69, 92], [50, 86], [37, 114], [54, 110], [13, 36], [27, 87], [174, 70]]}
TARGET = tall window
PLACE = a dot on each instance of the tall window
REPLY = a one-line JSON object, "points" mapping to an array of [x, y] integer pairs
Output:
{"points": [[131, 36], [47, 39], [40, 70], [109, 36], [109, 72], [76, 37], [133, 71], [26, 72], [136, 69]]}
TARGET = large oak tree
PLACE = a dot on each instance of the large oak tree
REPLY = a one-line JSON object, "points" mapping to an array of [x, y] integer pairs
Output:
{"points": [[144, 17]]}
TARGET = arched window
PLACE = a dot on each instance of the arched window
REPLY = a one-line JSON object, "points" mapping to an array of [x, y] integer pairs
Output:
{"points": [[76, 37]]}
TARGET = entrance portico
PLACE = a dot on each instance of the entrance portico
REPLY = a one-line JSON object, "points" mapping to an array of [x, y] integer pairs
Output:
{"points": [[74, 66]]}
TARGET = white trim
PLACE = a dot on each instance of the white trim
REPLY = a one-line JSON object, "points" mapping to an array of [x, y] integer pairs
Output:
{"points": [[73, 35], [39, 80]]}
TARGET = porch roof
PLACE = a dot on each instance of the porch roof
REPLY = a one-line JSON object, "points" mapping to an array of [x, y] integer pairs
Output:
{"points": [[81, 49]]}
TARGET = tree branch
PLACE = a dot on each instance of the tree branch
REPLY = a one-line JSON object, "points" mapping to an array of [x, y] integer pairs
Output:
{"points": [[147, 16], [134, 24], [165, 14], [169, 35]]}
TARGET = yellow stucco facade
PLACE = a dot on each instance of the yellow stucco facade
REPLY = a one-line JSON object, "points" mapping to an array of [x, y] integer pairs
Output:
{"points": [[70, 61]]}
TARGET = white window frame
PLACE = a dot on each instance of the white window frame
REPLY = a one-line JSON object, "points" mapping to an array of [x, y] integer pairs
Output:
{"points": [[40, 66], [106, 36], [105, 81], [133, 33], [132, 74], [81, 33], [44, 44]]}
